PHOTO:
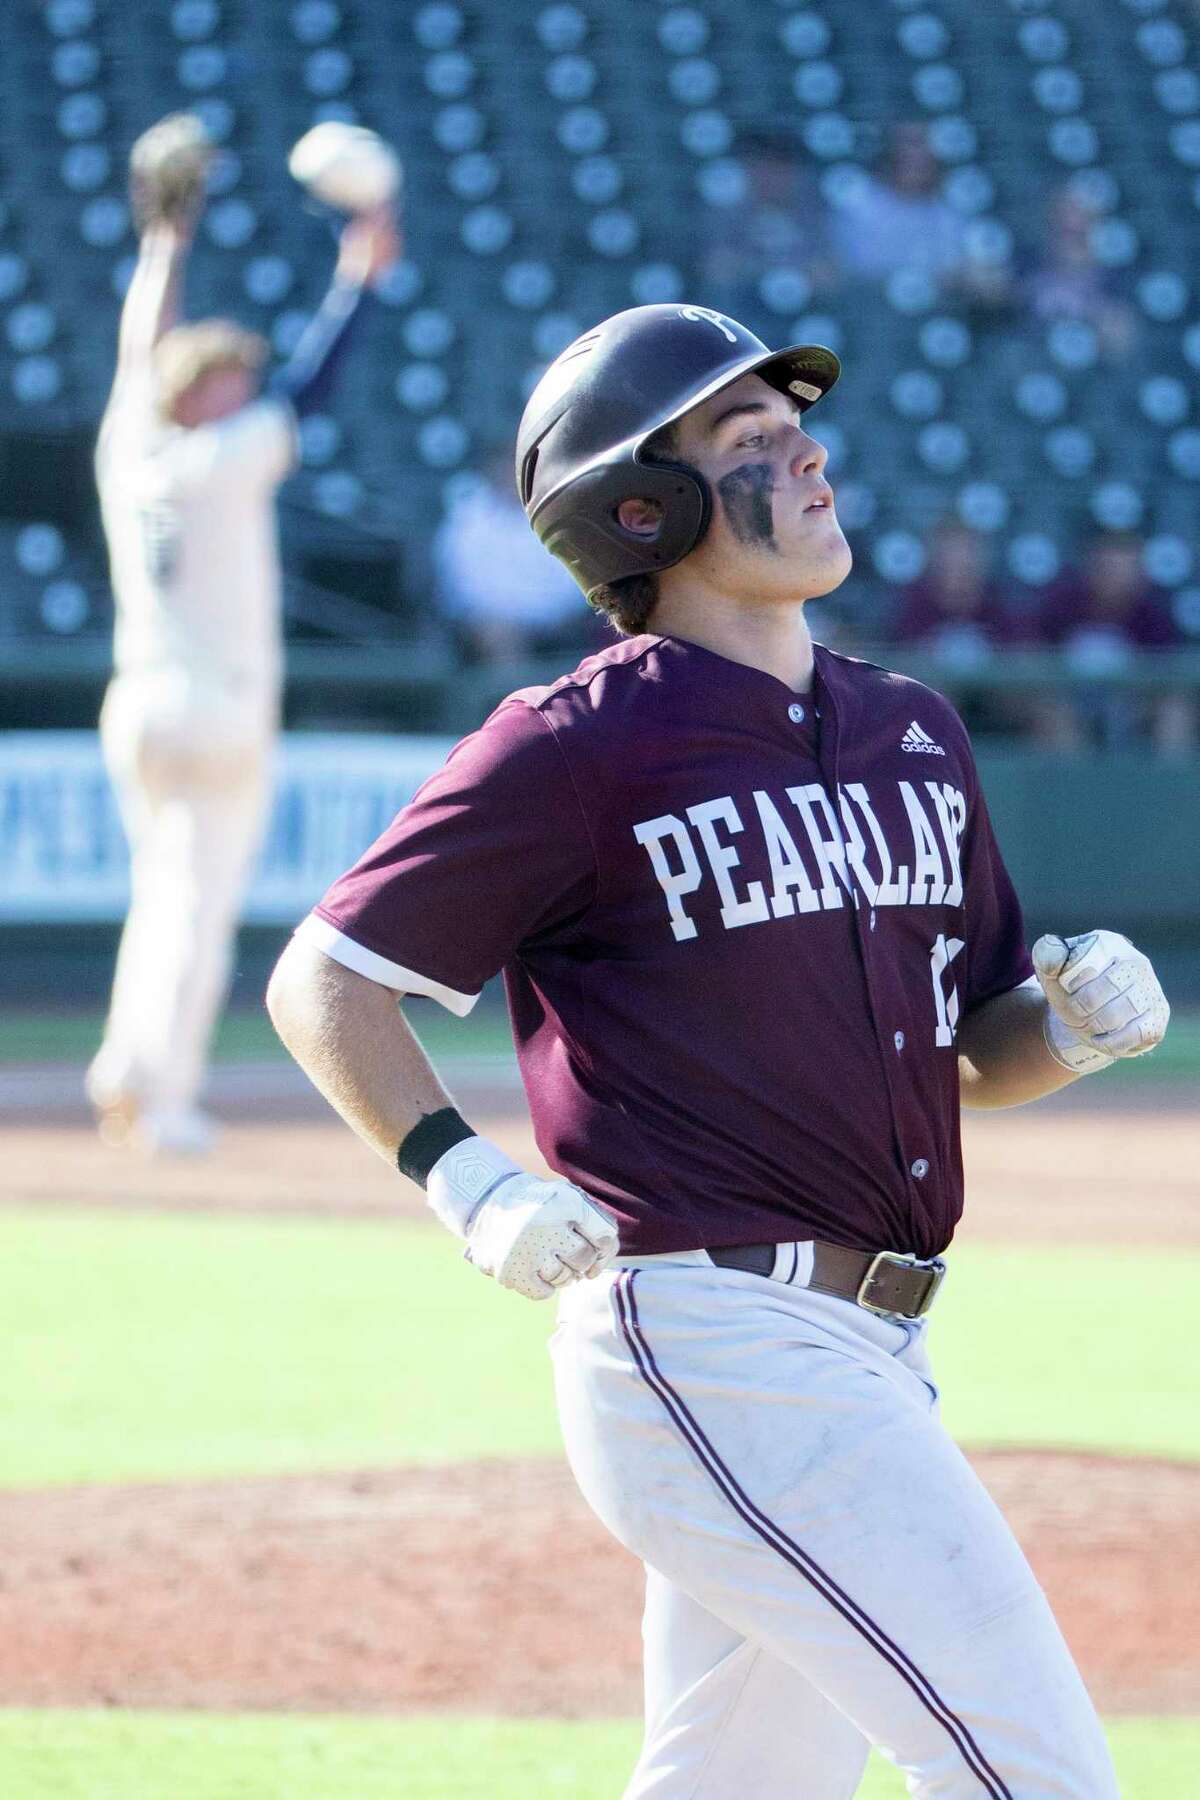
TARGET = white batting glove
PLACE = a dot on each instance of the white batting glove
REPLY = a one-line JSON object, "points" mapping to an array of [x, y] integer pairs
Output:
{"points": [[1104, 998], [530, 1235]]}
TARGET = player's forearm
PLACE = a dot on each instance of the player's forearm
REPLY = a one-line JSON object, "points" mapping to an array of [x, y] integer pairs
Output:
{"points": [[309, 377], [351, 1040], [153, 299], [355, 1045], [1003, 1059]]}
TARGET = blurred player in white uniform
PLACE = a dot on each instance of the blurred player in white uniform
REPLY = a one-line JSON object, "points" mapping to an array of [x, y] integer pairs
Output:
{"points": [[188, 461]]}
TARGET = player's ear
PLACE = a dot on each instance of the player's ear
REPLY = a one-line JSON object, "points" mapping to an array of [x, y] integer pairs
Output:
{"points": [[641, 518]]}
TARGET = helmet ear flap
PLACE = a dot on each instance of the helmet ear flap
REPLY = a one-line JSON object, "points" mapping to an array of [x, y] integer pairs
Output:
{"points": [[686, 501], [579, 524]]}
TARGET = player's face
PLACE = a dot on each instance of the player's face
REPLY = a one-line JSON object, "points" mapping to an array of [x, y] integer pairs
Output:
{"points": [[774, 533], [215, 396]]}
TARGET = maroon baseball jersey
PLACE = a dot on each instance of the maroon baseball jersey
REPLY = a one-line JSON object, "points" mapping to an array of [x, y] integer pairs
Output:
{"points": [[738, 929]]}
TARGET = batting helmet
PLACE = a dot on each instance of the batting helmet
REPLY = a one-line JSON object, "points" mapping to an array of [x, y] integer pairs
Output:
{"points": [[581, 439]]}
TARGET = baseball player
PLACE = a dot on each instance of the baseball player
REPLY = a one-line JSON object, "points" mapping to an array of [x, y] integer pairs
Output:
{"points": [[188, 460], [759, 944]]}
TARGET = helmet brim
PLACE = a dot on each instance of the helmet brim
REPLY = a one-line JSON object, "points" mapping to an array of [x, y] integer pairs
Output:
{"points": [[804, 372]]}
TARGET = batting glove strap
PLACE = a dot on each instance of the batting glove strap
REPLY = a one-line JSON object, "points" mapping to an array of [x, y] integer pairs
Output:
{"points": [[463, 1178], [1067, 1047]]}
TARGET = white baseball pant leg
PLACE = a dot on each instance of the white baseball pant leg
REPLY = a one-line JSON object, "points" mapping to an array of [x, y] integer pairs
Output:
{"points": [[775, 1455], [726, 1718], [193, 814]]}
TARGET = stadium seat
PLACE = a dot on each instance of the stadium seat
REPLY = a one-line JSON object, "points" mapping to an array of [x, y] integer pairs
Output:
{"points": [[566, 159]]}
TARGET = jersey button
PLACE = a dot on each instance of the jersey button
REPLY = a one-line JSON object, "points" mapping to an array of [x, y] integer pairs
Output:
{"points": [[796, 713], [920, 1168], [898, 1040]]}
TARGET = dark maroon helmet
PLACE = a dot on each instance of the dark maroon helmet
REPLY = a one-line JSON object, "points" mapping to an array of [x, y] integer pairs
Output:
{"points": [[582, 436]]}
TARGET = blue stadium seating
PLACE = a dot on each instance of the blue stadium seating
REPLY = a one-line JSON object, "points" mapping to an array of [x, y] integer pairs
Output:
{"points": [[566, 159]]}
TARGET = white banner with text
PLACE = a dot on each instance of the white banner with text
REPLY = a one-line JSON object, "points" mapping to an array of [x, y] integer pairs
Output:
{"points": [[63, 854]]}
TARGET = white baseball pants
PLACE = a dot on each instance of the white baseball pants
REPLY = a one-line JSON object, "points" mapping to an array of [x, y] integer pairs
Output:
{"points": [[192, 787], [824, 1570]]}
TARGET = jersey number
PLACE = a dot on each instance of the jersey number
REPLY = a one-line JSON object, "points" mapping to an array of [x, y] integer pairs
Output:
{"points": [[160, 542], [945, 1004]]}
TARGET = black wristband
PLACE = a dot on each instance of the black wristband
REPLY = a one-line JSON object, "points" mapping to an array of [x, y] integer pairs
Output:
{"points": [[429, 1139]]}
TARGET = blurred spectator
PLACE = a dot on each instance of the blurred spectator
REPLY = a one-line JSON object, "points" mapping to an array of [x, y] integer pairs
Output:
{"points": [[774, 223], [1100, 615], [955, 613], [501, 593], [954, 610], [899, 219], [1069, 283]]}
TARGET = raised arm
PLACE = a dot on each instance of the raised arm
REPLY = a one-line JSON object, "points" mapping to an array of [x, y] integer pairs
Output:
{"points": [[153, 301], [168, 169], [369, 245]]}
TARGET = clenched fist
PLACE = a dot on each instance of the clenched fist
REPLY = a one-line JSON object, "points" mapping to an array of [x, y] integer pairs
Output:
{"points": [[1104, 998], [530, 1235], [536, 1236]]}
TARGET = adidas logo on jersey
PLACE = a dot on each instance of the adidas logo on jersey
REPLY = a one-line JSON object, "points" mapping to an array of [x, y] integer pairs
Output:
{"points": [[916, 739]]}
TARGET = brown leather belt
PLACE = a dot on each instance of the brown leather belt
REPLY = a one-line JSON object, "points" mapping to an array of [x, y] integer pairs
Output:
{"points": [[882, 1281]]}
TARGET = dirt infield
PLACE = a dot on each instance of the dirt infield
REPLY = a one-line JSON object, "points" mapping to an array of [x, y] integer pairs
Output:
{"points": [[429, 1588]]}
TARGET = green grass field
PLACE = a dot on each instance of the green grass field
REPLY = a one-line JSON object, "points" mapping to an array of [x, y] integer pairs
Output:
{"points": [[157, 1347], [197, 1756], [160, 1347]]}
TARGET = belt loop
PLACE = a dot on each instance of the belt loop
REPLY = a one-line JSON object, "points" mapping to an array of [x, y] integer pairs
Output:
{"points": [[793, 1264], [802, 1271]]}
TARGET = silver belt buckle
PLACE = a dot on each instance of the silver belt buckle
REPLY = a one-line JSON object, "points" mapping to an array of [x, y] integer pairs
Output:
{"points": [[935, 1268]]}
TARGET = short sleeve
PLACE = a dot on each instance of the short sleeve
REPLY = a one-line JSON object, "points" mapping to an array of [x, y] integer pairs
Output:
{"points": [[997, 956], [491, 857], [255, 446]]}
